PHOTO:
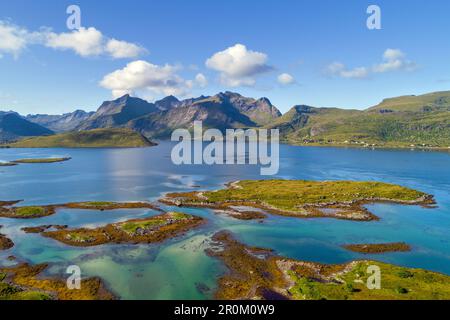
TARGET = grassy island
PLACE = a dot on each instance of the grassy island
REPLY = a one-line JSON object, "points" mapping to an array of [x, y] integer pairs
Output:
{"points": [[256, 273], [24, 282], [98, 138], [378, 247], [8, 210], [299, 198], [43, 160], [148, 230]]}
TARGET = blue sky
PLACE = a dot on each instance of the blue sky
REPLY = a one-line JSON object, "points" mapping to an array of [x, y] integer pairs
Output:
{"points": [[190, 48]]}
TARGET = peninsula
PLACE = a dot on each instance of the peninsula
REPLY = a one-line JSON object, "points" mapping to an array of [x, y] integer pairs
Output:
{"points": [[98, 138]]}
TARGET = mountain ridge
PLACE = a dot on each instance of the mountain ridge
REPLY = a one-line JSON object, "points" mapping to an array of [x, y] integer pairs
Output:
{"points": [[404, 121]]}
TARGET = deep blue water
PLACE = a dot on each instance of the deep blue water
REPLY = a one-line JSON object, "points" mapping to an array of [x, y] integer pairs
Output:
{"points": [[174, 269]]}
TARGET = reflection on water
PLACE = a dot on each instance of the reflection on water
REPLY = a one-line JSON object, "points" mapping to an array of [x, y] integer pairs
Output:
{"points": [[179, 268]]}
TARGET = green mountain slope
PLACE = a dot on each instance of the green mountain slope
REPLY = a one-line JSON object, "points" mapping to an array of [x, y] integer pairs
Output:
{"points": [[98, 138], [419, 121]]}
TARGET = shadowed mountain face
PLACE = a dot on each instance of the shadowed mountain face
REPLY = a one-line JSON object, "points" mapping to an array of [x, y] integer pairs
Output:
{"points": [[402, 121], [13, 126], [60, 123], [212, 113], [159, 119], [117, 113], [222, 111]]}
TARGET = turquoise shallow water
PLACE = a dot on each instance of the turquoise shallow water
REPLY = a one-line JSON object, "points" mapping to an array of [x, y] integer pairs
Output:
{"points": [[179, 269]]}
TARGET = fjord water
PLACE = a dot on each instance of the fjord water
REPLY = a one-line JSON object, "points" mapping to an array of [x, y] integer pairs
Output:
{"points": [[179, 268]]}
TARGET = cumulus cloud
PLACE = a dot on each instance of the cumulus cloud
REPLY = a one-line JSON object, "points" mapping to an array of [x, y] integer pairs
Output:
{"points": [[122, 49], [286, 79], [14, 39], [143, 75], [238, 66], [91, 42], [393, 60], [84, 41]]}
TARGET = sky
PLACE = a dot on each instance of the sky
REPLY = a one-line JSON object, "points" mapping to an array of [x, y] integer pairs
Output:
{"points": [[319, 53]]}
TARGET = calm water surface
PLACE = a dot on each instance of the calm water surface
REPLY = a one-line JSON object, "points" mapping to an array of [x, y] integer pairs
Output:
{"points": [[179, 269]]}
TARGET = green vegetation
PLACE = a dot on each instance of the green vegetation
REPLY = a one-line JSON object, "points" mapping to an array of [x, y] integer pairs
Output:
{"points": [[373, 248], [289, 194], [254, 271], [30, 211], [148, 230], [98, 138], [337, 199], [43, 160], [9, 211], [132, 227], [11, 292], [418, 121], [419, 284], [78, 236], [25, 282]]}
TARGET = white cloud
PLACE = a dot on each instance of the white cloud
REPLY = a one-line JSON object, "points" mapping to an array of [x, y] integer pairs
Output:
{"points": [[85, 42], [340, 70], [238, 66], [201, 80], [122, 49], [143, 75], [393, 60], [285, 79], [14, 39]]}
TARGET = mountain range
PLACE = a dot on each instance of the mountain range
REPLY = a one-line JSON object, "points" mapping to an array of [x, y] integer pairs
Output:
{"points": [[405, 121]]}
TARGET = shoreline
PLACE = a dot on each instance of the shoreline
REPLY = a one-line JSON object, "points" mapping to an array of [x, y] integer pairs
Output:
{"points": [[259, 273]]}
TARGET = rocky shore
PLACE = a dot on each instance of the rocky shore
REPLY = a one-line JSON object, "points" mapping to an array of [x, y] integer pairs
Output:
{"points": [[147, 230], [257, 273]]}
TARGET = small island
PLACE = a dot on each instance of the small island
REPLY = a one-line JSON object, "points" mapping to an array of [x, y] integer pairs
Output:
{"points": [[375, 248], [257, 273], [42, 160], [5, 242], [148, 230], [7, 164], [97, 138], [8, 210], [299, 198], [25, 282]]}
